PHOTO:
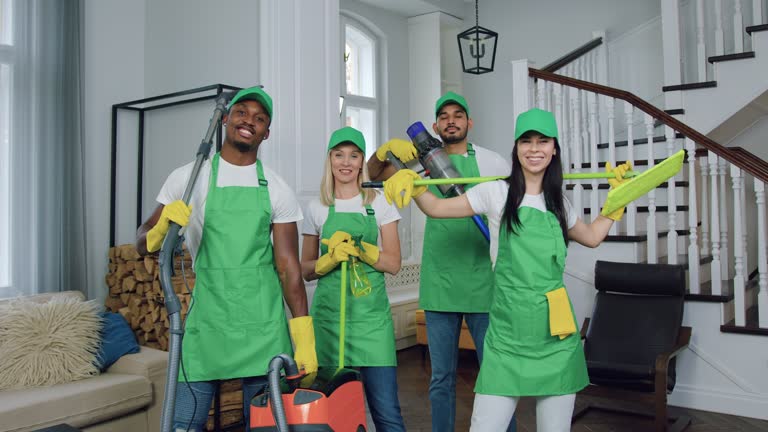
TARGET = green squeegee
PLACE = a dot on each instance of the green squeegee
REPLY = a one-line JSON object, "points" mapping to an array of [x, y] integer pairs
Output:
{"points": [[639, 185]]}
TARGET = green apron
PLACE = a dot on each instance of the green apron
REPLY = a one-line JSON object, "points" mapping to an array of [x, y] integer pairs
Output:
{"points": [[456, 272], [237, 321], [521, 357], [370, 334]]}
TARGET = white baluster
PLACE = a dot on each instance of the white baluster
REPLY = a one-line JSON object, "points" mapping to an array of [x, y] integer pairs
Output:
{"points": [[722, 164], [609, 105], [521, 84], [701, 49], [557, 91], [541, 94], [762, 260], [719, 45], [757, 12], [594, 206], [694, 281], [744, 241], [671, 203], [717, 280], [738, 27], [632, 207], [738, 263], [653, 249], [577, 149], [602, 58], [705, 210]]}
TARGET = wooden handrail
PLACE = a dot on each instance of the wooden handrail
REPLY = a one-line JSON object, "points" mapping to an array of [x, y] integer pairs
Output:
{"points": [[573, 55], [742, 159]]}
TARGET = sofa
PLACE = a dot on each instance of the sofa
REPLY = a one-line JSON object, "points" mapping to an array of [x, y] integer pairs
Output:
{"points": [[127, 397]]}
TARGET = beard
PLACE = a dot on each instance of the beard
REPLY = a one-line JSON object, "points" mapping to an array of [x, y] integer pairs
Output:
{"points": [[453, 139], [243, 147]]}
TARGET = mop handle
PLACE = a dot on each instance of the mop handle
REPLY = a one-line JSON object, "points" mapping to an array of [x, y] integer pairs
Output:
{"points": [[471, 180], [343, 319]]}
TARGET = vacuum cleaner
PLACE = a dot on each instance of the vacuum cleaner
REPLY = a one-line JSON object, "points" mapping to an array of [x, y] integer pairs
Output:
{"points": [[331, 400]]}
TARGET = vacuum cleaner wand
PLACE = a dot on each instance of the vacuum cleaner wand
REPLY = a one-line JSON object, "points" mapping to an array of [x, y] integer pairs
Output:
{"points": [[170, 245]]}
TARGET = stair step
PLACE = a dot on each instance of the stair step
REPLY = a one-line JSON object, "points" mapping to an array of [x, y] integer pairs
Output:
{"points": [[644, 209], [625, 143], [587, 165], [682, 259], [705, 293], [641, 236], [728, 57], [757, 28], [605, 186], [690, 86], [751, 327], [677, 111]]}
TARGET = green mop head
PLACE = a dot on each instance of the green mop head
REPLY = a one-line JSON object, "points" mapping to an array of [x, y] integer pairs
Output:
{"points": [[643, 183]]}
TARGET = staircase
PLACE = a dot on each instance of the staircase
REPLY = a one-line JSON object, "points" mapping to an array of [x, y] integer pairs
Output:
{"points": [[709, 218]]}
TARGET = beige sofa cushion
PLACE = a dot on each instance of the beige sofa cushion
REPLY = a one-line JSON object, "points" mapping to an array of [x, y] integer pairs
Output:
{"points": [[78, 403]]}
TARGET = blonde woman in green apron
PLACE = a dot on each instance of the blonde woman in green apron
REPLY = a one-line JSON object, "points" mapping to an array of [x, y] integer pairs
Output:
{"points": [[236, 322], [531, 348], [345, 210]]}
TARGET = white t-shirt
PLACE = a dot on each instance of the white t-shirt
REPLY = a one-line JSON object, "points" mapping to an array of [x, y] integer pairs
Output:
{"points": [[317, 213], [489, 199], [490, 163], [285, 207]]}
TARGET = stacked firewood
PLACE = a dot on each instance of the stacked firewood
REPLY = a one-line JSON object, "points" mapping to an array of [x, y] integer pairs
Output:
{"points": [[135, 293]]}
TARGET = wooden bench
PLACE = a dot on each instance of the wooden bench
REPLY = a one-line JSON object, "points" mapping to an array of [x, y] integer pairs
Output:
{"points": [[465, 338]]}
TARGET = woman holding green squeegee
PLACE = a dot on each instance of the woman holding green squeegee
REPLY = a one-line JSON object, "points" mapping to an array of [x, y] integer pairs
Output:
{"points": [[531, 348]]}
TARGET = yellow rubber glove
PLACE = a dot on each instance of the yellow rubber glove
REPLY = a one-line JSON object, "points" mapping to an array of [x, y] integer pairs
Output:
{"points": [[336, 238], [303, 335], [177, 212], [340, 253], [402, 149], [369, 253], [615, 182], [561, 323], [400, 189]]}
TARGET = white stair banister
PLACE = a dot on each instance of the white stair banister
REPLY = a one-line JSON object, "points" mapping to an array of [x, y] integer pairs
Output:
{"points": [[719, 35], [762, 258], [744, 241], [738, 263], [632, 207], [594, 203], [577, 149], [757, 12], [609, 108], [653, 250], [705, 210], [716, 271], [671, 203], [701, 49], [520, 80], [722, 165], [738, 27], [694, 281]]}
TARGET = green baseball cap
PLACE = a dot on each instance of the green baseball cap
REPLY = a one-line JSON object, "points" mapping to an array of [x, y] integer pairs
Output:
{"points": [[347, 134], [451, 97], [253, 93], [537, 120]]}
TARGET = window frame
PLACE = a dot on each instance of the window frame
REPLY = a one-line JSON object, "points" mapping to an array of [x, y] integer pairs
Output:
{"points": [[8, 60]]}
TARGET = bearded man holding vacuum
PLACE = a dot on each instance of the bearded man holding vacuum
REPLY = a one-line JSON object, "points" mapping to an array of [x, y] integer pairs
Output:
{"points": [[236, 322]]}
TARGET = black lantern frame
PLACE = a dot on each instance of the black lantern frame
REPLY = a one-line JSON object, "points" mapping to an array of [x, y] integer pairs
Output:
{"points": [[476, 39]]}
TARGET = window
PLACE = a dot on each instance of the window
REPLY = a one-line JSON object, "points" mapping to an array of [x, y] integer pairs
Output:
{"points": [[361, 106], [6, 77]]}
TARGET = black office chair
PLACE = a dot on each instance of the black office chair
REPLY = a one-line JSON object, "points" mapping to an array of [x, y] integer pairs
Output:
{"points": [[633, 336]]}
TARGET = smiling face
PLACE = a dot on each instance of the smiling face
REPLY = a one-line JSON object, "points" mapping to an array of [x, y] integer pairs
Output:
{"points": [[535, 152], [346, 163], [452, 124], [247, 126]]}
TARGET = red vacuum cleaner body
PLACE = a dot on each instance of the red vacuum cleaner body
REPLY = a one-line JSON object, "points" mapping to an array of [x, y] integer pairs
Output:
{"points": [[333, 401]]}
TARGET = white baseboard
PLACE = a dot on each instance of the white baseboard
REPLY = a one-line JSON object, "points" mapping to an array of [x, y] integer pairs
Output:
{"points": [[741, 404]]}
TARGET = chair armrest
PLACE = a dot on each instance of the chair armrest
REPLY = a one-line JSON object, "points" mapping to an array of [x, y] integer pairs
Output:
{"points": [[662, 360], [152, 364], [584, 328]]}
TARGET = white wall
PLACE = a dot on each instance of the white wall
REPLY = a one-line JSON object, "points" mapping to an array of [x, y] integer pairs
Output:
{"points": [[113, 67], [753, 139], [529, 30]]}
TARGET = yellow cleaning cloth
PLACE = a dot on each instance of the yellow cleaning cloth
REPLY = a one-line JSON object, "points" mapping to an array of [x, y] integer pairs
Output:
{"points": [[561, 321]]}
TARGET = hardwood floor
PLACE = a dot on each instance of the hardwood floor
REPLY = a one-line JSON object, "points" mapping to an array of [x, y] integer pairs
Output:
{"points": [[413, 381]]}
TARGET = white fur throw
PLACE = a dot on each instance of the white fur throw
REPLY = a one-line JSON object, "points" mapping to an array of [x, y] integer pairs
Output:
{"points": [[43, 344]]}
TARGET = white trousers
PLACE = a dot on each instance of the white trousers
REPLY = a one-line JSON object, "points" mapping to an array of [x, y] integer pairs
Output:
{"points": [[493, 413]]}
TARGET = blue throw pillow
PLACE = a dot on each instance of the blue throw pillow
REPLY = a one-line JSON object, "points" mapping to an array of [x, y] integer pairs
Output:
{"points": [[117, 339]]}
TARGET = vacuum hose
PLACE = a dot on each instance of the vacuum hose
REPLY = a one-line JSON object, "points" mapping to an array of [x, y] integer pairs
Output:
{"points": [[278, 362]]}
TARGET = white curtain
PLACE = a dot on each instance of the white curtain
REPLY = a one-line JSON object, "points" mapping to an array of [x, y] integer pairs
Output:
{"points": [[48, 224]]}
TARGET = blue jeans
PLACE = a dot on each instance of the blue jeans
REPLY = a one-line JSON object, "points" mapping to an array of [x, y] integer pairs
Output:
{"points": [[380, 384], [193, 400], [443, 330]]}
